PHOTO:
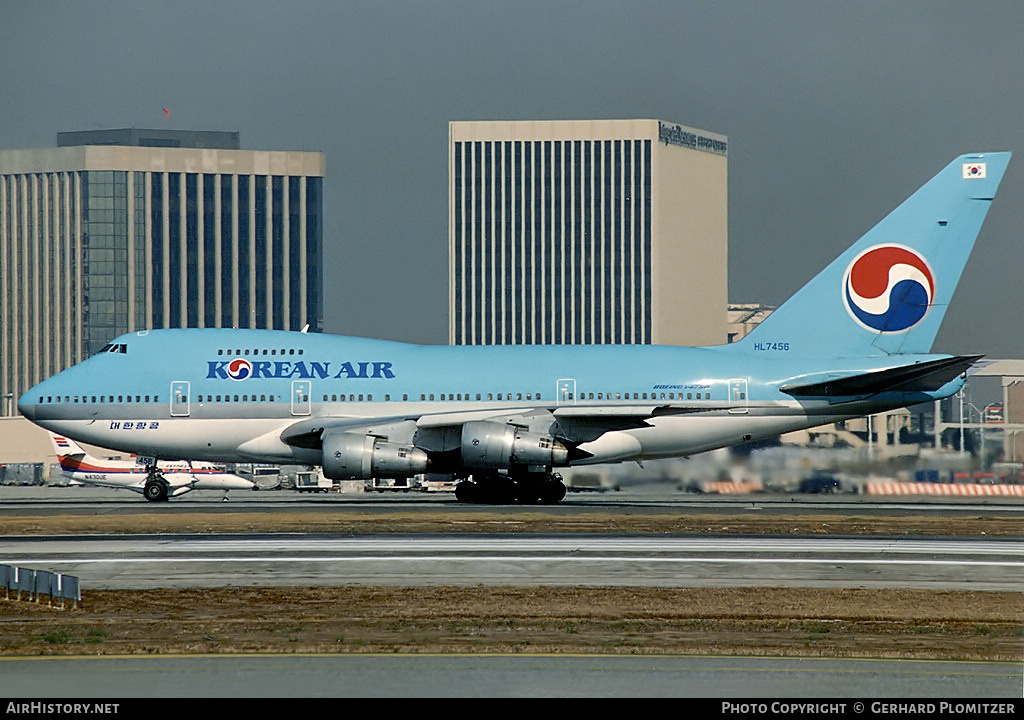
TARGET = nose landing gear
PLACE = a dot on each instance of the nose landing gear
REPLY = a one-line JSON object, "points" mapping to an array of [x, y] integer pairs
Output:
{"points": [[155, 489]]}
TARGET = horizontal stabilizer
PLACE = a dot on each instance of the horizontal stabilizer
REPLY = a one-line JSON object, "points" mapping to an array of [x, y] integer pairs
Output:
{"points": [[924, 376]]}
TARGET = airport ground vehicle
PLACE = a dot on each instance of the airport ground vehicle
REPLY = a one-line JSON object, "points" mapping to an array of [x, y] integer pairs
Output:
{"points": [[312, 481]]}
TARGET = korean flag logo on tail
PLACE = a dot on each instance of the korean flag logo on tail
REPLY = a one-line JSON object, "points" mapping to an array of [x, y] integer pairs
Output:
{"points": [[888, 288], [974, 171]]}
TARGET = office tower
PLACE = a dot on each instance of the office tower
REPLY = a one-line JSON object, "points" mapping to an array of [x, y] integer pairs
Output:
{"points": [[580, 232], [114, 231]]}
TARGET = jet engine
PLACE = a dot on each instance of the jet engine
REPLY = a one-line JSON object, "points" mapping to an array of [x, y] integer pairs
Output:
{"points": [[499, 445], [351, 456]]}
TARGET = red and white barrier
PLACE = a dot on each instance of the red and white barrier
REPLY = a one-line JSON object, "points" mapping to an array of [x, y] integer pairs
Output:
{"points": [[914, 488], [732, 488]]}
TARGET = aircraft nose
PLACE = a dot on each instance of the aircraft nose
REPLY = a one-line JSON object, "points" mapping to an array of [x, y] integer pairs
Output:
{"points": [[27, 406]]}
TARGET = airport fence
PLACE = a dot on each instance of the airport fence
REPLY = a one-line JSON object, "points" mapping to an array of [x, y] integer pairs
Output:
{"points": [[34, 584]]}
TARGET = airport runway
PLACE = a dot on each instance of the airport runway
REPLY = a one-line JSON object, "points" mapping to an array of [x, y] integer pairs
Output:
{"points": [[655, 560], [189, 561], [652, 497], [536, 676], [253, 559]]}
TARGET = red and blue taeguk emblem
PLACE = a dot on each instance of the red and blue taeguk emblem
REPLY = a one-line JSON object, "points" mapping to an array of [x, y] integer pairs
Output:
{"points": [[888, 288], [239, 369]]}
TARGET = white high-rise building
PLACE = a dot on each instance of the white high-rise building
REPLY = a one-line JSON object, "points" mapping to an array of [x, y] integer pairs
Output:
{"points": [[587, 232]]}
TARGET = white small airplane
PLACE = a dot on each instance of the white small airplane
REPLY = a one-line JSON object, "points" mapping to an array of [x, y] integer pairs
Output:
{"points": [[177, 478]]}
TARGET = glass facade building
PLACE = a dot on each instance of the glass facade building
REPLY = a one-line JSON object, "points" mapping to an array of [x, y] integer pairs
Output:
{"points": [[99, 240], [559, 233]]}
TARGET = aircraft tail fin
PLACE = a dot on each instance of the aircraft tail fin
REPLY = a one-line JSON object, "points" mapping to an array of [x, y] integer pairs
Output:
{"points": [[69, 453], [888, 293]]}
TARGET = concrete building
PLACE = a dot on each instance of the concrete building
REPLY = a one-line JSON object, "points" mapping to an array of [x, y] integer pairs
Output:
{"points": [[114, 231], [743, 318], [591, 231], [1004, 418]]}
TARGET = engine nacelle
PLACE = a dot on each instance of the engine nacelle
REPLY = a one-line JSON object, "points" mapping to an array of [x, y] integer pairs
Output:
{"points": [[499, 445], [352, 456]]}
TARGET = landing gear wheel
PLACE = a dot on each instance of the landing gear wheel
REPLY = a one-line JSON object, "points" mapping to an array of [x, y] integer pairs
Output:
{"points": [[155, 491], [521, 488], [490, 489], [553, 490], [467, 491], [527, 492]]}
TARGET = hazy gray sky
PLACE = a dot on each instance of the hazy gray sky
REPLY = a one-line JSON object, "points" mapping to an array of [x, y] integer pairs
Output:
{"points": [[835, 113]]}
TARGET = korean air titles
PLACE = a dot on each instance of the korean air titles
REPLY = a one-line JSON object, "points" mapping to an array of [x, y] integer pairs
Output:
{"points": [[242, 369]]}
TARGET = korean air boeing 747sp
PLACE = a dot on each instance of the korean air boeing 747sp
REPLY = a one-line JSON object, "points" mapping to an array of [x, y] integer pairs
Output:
{"points": [[854, 341]]}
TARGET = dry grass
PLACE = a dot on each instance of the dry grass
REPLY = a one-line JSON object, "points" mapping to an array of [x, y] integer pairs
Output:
{"points": [[356, 520], [746, 621]]}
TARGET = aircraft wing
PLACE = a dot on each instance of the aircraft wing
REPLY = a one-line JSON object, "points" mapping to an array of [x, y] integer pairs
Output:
{"points": [[923, 376], [571, 423], [616, 417]]}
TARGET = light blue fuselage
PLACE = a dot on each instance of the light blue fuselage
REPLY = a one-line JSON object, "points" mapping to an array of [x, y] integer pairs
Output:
{"points": [[171, 393]]}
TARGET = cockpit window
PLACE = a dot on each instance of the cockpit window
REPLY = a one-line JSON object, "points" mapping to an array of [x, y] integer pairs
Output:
{"points": [[114, 348]]}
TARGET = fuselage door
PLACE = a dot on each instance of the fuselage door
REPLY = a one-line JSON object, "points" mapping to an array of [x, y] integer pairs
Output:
{"points": [[179, 398], [738, 395], [300, 397], [565, 392]]}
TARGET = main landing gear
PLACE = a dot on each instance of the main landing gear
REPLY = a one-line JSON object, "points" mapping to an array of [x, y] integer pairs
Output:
{"points": [[525, 488], [155, 489]]}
